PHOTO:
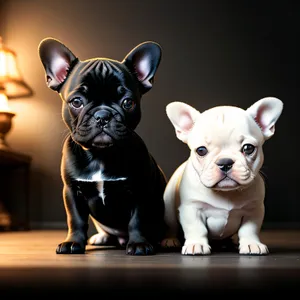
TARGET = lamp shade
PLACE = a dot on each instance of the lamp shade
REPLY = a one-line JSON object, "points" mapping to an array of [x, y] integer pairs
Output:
{"points": [[10, 77]]}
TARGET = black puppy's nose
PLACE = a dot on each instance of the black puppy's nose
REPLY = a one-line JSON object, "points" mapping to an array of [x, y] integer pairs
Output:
{"points": [[225, 164], [102, 117]]}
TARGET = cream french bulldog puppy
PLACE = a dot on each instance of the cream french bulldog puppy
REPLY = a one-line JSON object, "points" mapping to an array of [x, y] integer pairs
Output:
{"points": [[218, 191]]}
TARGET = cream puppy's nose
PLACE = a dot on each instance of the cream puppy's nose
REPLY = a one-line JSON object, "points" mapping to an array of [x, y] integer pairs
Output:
{"points": [[225, 164]]}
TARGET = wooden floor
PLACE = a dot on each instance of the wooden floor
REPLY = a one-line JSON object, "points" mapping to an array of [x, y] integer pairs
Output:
{"points": [[29, 265]]}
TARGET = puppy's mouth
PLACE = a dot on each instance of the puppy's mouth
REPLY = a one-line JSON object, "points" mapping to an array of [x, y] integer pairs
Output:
{"points": [[99, 136], [98, 140], [226, 184], [102, 140]]}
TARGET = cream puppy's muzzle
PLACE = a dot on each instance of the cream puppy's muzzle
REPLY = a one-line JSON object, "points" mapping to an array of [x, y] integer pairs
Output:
{"points": [[227, 155]]}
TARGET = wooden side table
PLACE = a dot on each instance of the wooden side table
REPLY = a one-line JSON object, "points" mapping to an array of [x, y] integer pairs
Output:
{"points": [[14, 189]]}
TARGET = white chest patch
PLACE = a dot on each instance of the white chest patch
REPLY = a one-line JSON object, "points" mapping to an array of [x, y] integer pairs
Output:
{"points": [[99, 178]]}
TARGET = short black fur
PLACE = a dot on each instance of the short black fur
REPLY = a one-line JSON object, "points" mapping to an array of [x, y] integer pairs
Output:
{"points": [[107, 171]]}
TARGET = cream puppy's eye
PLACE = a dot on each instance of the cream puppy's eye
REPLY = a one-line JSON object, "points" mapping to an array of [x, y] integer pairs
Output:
{"points": [[76, 103], [201, 151], [248, 149]]}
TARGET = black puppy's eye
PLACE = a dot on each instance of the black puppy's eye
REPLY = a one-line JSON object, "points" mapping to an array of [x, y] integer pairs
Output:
{"points": [[76, 103], [248, 149], [201, 151], [128, 104]]}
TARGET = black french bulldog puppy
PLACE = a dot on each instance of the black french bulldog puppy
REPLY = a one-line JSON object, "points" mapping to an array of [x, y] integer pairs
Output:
{"points": [[107, 171]]}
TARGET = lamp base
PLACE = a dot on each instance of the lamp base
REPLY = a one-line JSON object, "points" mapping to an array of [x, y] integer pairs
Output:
{"points": [[5, 126]]}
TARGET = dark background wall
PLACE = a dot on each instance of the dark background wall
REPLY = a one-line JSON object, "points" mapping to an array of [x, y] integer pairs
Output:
{"points": [[214, 53]]}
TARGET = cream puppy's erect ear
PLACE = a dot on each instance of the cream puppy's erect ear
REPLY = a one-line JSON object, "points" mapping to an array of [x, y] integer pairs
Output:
{"points": [[183, 117], [266, 112]]}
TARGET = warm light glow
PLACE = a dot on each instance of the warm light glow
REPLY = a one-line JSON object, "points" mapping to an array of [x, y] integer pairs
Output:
{"points": [[8, 66], [2, 64], [12, 86], [4, 103], [11, 80]]}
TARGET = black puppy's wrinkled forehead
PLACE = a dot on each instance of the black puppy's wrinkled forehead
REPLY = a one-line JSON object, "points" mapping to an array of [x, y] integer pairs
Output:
{"points": [[100, 80]]}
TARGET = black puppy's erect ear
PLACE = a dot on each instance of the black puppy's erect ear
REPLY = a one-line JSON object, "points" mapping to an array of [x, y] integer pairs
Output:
{"points": [[57, 60], [143, 62]]}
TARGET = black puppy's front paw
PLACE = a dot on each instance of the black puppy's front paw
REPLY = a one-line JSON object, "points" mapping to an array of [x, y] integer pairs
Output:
{"points": [[70, 248], [142, 248]]}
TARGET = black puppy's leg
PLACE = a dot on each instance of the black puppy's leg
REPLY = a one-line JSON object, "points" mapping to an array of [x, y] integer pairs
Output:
{"points": [[138, 244], [77, 219]]}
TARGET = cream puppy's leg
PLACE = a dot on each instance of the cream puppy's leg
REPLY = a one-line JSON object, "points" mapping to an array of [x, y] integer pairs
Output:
{"points": [[171, 198], [104, 238], [195, 231], [249, 242], [100, 238]]}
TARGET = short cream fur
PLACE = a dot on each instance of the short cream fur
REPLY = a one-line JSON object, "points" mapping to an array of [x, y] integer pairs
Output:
{"points": [[218, 192]]}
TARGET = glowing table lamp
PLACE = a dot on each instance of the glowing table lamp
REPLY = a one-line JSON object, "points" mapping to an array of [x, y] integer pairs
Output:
{"points": [[12, 86]]}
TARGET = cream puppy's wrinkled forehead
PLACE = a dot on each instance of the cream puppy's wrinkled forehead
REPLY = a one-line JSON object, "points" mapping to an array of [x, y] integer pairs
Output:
{"points": [[257, 120], [224, 124]]}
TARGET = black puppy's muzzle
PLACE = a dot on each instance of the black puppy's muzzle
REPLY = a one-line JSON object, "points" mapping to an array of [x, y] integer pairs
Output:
{"points": [[103, 117]]}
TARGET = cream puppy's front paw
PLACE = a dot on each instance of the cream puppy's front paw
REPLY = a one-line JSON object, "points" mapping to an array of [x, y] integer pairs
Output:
{"points": [[195, 248], [170, 243], [100, 238], [253, 248]]}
